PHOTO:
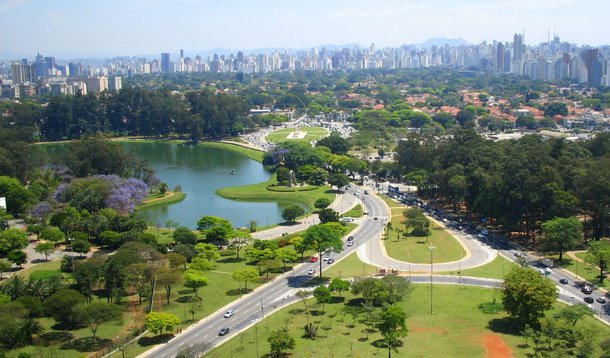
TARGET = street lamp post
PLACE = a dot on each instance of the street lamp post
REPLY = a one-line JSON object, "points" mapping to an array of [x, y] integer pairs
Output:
{"points": [[431, 273]]}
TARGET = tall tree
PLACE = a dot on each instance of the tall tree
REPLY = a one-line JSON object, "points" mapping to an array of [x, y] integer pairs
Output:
{"points": [[598, 254], [156, 322], [280, 341], [392, 327], [97, 313], [527, 295], [168, 278], [321, 239], [195, 279], [561, 234]]}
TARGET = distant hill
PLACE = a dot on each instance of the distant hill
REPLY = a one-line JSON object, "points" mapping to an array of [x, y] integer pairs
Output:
{"points": [[441, 41]]}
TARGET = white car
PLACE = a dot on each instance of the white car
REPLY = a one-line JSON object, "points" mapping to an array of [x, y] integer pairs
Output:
{"points": [[326, 258], [311, 271], [229, 313], [350, 243]]}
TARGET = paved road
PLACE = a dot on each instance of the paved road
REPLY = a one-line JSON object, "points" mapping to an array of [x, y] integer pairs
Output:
{"points": [[373, 252], [253, 306]]}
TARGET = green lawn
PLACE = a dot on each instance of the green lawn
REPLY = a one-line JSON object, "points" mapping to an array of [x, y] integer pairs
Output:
{"points": [[249, 152], [498, 268], [458, 328], [44, 266], [259, 192], [80, 341], [354, 212], [417, 249], [349, 267], [313, 133]]}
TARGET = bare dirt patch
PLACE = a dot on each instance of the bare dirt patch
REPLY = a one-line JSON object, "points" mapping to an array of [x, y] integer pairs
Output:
{"points": [[495, 346]]}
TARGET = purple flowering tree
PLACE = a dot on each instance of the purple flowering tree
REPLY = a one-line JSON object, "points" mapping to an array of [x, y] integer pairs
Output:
{"points": [[40, 212], [123, 194]]}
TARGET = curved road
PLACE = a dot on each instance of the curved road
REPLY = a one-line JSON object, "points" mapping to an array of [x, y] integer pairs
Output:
{"points": [[252, 307]]}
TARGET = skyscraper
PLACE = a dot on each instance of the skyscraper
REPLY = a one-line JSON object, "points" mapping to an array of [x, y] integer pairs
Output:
{"points": [[518, 47], [165, 64]]}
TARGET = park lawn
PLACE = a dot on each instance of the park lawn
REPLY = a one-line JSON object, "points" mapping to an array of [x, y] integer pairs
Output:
{"points": [[249, 152], [456, 329], [498, 268], [350, 267], [106, 332], [313, 133], [354, 212], [259, 192], [44, 266], [417, 249]]}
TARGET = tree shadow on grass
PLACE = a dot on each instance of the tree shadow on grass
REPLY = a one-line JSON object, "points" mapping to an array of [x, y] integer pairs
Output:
{"points": [[296, 311], [379, 343], [151, 341], [355, 302], [56, 337], [184, 299], [505, 325], [336, 299], [238, 291], [87, 344], [184, 292]]}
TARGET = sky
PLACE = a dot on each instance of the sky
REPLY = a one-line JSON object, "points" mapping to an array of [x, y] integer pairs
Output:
{"points": [[81, 28]]}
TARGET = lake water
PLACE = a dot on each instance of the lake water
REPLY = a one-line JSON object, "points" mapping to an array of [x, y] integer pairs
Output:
{"points": [[200, 171]]}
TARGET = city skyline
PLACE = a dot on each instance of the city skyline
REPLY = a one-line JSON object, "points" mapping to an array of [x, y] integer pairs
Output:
{"points": [[82, 29]]}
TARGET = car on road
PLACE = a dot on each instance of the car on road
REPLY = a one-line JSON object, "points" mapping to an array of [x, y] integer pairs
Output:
{"points": [[601, 300], [330, 261], [311, 271], [350, 243], [589, 299], [313, 259], [350, 238], [518, 254], [586, 290], [223, 331], [229, 313], [563, 281], [326, 258], [547, 271]]}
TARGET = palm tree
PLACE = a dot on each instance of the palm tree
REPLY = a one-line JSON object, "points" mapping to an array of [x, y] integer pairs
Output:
{"points": [[14, 287], [27, 328]]}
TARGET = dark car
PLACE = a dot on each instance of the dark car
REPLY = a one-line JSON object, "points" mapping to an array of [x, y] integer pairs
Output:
{"points": [[601, 300], [586, 290], [330, 261], [563, 281], [223, 331], [350, 238], [589, 299]]}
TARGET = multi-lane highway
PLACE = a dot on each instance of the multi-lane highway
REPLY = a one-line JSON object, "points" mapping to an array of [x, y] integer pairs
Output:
{"points": [[251, 308]]}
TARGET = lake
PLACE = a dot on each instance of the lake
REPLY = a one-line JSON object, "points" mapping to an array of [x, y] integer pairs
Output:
{"points": [[199, 171]]}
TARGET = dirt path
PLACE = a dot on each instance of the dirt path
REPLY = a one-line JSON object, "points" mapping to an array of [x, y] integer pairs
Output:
{"points": [[495, 346], [170, 194], [572, 255]]}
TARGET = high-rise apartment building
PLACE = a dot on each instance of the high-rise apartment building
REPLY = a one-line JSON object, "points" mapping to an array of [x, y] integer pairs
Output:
{"points": [[518, 47], [165, 64]]}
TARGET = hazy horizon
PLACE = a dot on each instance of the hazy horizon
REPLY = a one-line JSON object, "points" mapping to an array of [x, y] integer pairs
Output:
{"points": [[148, 27]]}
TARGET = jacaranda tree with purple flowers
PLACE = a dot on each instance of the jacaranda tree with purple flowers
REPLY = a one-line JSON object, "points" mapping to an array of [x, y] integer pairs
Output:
{"points": [[103, 191]]}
